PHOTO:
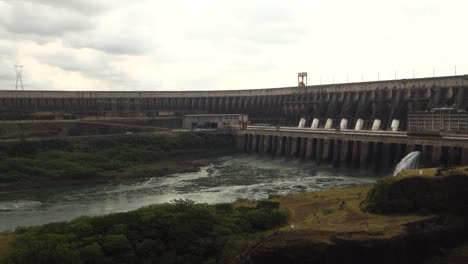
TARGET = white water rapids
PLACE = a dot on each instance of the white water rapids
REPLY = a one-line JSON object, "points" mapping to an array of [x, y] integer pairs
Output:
{"points": [[224, 180]]}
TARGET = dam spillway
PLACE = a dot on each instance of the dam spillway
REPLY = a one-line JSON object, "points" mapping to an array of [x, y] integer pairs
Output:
{"points": [[367, 101], [377, 150]]}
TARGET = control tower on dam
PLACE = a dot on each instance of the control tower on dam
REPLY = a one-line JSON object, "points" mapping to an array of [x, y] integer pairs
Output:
{"points": [[362, 102]]}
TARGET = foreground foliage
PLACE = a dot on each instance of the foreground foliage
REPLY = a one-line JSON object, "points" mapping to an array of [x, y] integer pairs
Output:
{"points": [[420, 194], [180, 232], [71, 159]]}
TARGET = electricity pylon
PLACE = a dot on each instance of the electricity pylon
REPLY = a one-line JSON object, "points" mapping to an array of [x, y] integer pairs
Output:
{"points": [[19, 76]]}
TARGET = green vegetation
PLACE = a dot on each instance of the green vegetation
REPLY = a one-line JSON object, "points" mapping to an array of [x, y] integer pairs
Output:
{"points": [[180, 232], [97, 157], [435, 191]]}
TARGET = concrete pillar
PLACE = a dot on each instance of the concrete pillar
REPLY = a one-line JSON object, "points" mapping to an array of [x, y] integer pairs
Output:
{"points": [[410, 148], [240, 142], [336, 153], [287, 147], [376, 125], [326, 150], [249, 143], [400, 152], [376, 156], [395, 125], [318, 151], [280, 146], [355, 159], [345, 151], [294, 147], [266, 144], [386, 156], [464, 156], [302, 123], [315, 123], [302, 152], [344, 123], [261, 141], [274, 145], [254, 147], [359, 124], [364, 154], [309, 149], [314, 147], [436, 152], [329, 123], [426, 156], [453, 159]]}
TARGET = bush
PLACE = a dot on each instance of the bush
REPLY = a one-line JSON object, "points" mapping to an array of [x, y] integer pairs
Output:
{"points": [[179, 232], [418, 195]]}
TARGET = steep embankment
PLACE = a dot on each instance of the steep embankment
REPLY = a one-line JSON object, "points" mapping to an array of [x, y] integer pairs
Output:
{"points": [[424, 218], [26, 164]]}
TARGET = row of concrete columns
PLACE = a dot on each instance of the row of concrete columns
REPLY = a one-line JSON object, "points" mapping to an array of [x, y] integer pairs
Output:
{"points": [[378, 156], [344, 124]]}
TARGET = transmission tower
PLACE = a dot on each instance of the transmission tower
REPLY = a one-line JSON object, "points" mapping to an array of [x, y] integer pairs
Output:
{"points": [[19, 76]]}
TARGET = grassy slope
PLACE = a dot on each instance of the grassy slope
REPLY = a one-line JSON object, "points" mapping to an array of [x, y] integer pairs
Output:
{"points": [[6, 241], [338, 211]]}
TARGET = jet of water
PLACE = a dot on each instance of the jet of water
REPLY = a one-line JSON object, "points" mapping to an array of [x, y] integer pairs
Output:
{"points": [[411, 161]]}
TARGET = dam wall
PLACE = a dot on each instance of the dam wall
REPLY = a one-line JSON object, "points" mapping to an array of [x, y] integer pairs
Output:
{"points": [[376, 151], [383, 100]]}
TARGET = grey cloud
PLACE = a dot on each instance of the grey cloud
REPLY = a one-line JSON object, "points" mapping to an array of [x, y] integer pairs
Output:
{"points": [[7, 62], [69, 61], [7, 48], [261, 22], [43, 23], [122, 43], [265, 12], [272, 34], [256, 65], [207, 83], [97, 68], [40, 20], [83, 6], [420, 8], [262, 33], [7, 73]]}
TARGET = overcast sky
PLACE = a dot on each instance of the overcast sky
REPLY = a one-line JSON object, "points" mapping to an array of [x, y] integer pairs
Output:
{"points": [[235, 44]]}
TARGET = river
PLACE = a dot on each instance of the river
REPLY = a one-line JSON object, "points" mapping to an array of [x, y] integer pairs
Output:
{"points": [[226, 179]]}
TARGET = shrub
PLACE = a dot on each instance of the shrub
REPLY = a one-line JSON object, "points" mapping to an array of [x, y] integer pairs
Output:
{"points": [[418, 195], [179, 232]]}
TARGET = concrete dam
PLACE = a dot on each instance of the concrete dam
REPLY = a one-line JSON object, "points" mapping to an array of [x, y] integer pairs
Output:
{"points": [[384, 100], [377, 123]]}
